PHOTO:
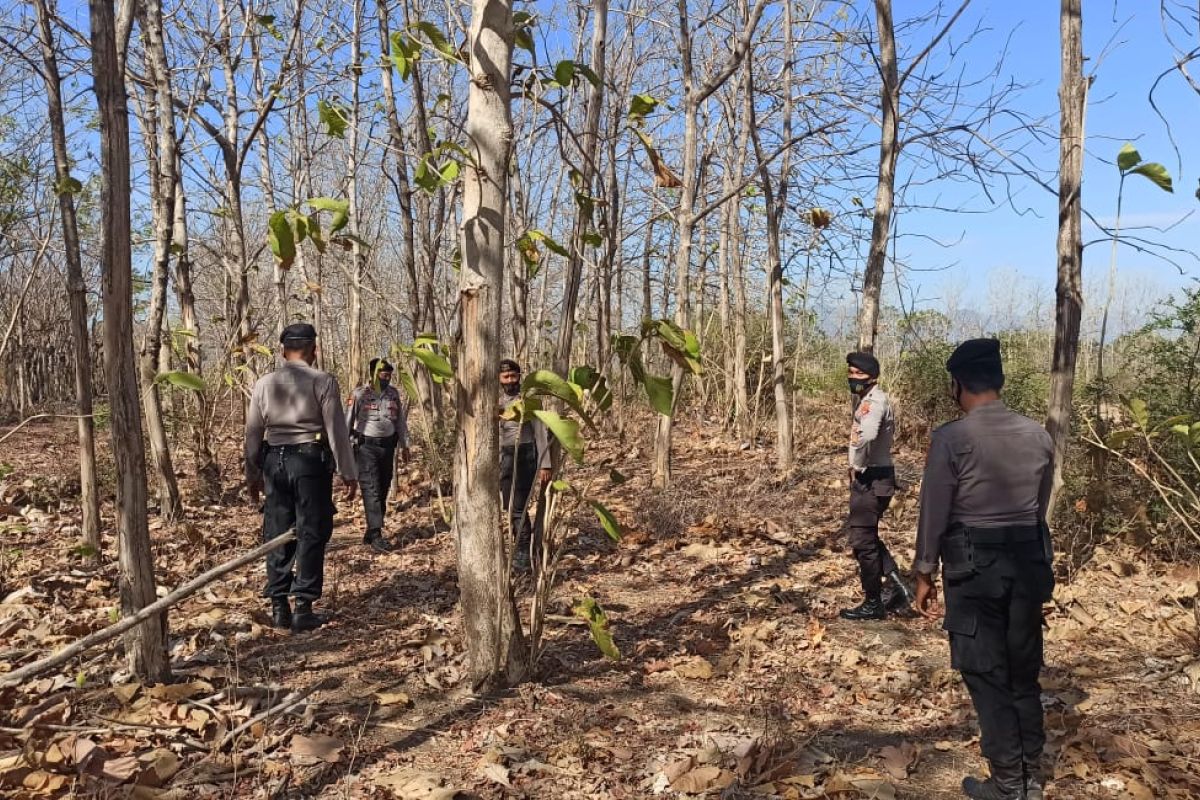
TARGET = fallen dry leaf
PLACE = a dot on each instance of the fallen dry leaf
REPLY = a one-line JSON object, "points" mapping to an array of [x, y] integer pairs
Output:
{"points": [[696, 667], [899, 761], [317, 748]]}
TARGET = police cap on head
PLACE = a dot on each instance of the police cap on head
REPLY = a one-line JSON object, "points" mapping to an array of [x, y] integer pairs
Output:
{"points": [[864, 362], [383, 366], [298, 334], [508, 365], [977, 359]]}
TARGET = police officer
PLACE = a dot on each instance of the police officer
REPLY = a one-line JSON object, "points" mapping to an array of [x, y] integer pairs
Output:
{"points": [[295, 439], [378, 424], [524, 451], [983, 515], [872, 484]]}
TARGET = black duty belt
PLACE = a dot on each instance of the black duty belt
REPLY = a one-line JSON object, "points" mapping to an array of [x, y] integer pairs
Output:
{"points": [[380, 440], [998, 537], [314, 443]]}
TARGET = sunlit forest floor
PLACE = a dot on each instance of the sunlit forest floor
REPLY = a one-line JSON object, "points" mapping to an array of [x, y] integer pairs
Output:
{"points": [[737, 678]]}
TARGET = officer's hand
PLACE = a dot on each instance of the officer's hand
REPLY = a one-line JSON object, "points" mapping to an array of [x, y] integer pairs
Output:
{"points": [[254, 489], [544, 476], [351, 488], [926, 596]]}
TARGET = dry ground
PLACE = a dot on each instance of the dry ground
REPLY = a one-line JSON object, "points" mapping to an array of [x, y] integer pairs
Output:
{"points": [[737, 677]]}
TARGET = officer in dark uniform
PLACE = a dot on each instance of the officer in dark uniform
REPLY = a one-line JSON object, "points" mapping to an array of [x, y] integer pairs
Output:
{"points": [[983, 515], [378, 424], [295, 439], [524, 453], [872, 484]]}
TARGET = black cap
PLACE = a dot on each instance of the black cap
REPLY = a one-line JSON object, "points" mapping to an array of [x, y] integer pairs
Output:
{"points": [[865, 362], [298, 333], [977, 358], [384, 367], [508, 365]]}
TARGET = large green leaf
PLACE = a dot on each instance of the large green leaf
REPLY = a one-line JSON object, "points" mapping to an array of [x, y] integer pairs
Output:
{"points": [[281, 239], [1118, 439], [410, 386], [1157, 173], [334, 117], [607, 520], [339, 208], [404, 54], [184, 380], [543, 381], [437, 364], [546, 239], [583, 376], [438, 40], [564, 73], [1128, 158], [522, 22], [640, 105], [590, 611], [565, 430], [68, 185], [1139, 412], [660, 393], [628, 350]]}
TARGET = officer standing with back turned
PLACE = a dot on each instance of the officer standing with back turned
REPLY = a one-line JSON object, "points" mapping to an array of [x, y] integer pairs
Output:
{"points": [[378, 424], [295, 439], [983, 515]]}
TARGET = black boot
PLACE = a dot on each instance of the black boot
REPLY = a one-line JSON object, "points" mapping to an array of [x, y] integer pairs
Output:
{"points": [[304, 618], [1006, 783], [281, 613], [1033, 783], [377, 543], [521, 552], [896, 594], [871, 608]]}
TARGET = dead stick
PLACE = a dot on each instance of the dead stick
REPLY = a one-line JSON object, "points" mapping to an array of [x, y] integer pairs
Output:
{"points": [[292, 700], [16, 677]]}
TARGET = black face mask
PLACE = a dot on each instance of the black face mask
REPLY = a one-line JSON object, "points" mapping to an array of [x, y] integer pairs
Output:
{"points": [[859, 385], [511, 389], [384, 383]]}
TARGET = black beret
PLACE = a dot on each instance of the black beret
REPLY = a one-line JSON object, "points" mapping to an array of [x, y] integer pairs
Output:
{"points": [[384, 367], [298, 332], [865, 362], [976, 358], [508, 365]]}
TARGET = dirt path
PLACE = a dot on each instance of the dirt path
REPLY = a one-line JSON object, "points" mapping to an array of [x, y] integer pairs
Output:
{"points": [[737, 677]]}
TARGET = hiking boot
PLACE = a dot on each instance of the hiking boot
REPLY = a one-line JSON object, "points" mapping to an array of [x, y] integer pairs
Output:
{"points": [[375, 540], [1033, 789], [304, 619], [896, 594], [1004, 784], [281, 613], [871, 608]]}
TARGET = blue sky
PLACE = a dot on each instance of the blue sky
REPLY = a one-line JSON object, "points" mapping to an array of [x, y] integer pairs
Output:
{"points": [[1005, 246]]}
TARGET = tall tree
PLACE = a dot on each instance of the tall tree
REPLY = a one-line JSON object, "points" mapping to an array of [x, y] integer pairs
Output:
{"points": [[146, 643], [76, 287], [496, 646], [1072, 103]]}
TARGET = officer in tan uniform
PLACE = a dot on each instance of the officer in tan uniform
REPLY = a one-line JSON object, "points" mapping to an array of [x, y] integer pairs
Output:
{"points": [[983, 516], [872, 484], [295, 440], [378, 423]]}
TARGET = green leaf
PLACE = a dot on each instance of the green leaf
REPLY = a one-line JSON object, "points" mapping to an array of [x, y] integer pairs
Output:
{"points": [[660, 393], [565, 430], [1128, 157], [1183, 430], [438, 40], [589, 74], [403, 54], [564, 73], [561, 486], [410, 386], [68, 185], [184, 380], [590, 611], [594, 239], [339, 208], [543, 381], [607, 520], [523, 35], [1157, 173], [551, 245], [1137, 409], [267, 21], [335, 118], [1118, 439], [280, 237], [437, 364], [641, 105], [583, 376]]}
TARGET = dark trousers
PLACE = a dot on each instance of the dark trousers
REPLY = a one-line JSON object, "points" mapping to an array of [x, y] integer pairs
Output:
{"points": [[870, 494], [518, 468], [375, 458], [994, 619], [299, 493]]}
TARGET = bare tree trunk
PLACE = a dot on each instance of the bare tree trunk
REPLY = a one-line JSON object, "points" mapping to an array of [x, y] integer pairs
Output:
{"points": [[1072, 101], [357, 366], [145, 644], [76, 287], [496, 647], [885, 189], [159, 121], [647, 295]]}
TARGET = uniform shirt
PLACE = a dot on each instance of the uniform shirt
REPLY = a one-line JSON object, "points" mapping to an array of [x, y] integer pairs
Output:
{"points": [[992, 468], [293, 405], [532, 432], [872, 432], [378, 414]]}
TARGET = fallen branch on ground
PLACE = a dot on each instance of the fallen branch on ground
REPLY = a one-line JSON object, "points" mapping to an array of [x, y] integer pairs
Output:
{"points": [[18, 676]]}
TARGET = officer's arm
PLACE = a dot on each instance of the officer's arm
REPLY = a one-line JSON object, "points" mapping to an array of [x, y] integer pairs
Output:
{"points": [[868, 430], [335, 429], [352, 410], [402, 424], [937, 498], [256, 428], [1046, 486]]}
